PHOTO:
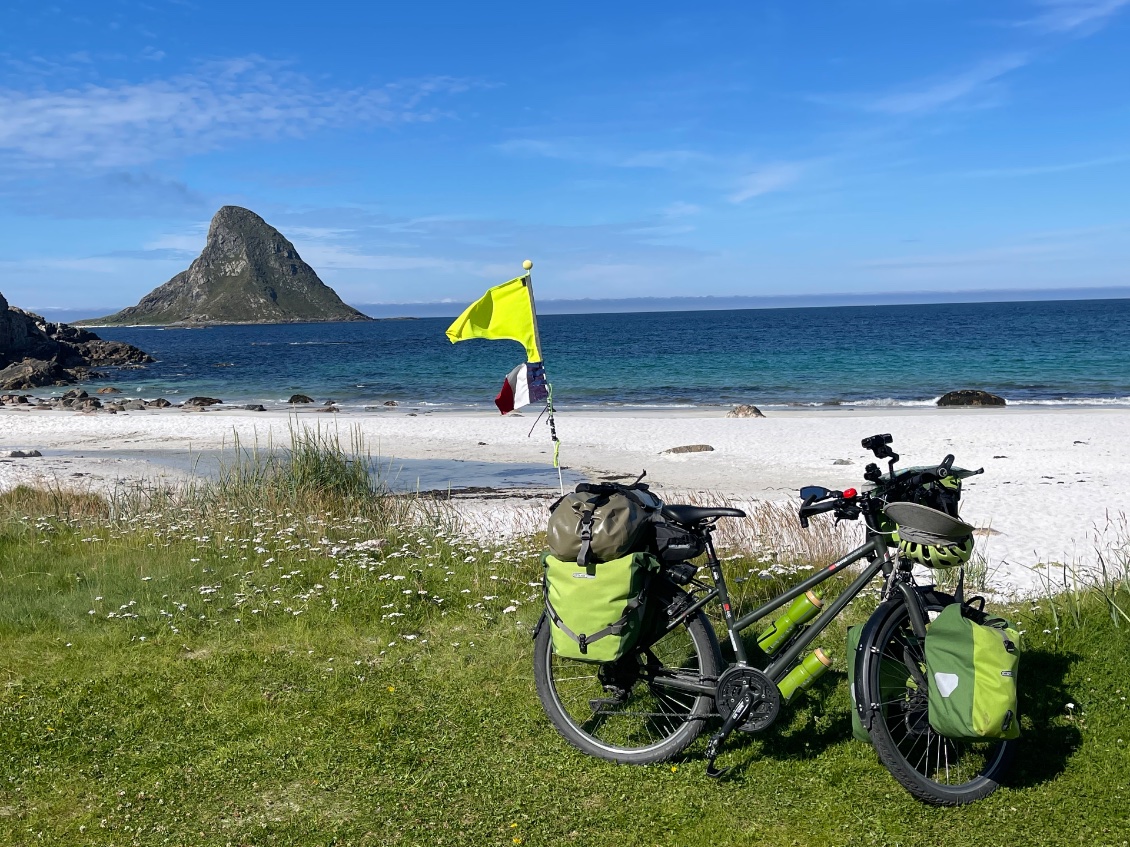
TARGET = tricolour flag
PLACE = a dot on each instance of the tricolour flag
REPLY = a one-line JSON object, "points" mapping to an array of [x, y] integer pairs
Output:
{"points": [[507, 312], [522, 386], [504, 312]]}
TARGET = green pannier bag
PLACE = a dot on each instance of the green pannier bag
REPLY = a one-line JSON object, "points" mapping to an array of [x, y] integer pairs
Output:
{"points": [[971, 672], [892, 681], [596, 611]]}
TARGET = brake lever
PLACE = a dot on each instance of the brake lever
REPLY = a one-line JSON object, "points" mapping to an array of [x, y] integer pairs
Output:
{"points": [[808, 501]]}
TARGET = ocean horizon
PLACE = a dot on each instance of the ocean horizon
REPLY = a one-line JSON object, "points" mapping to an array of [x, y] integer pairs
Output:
{"points": [[1054, 352], [704, 303]]}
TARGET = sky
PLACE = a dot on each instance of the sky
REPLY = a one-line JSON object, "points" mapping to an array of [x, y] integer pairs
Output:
{"points": [[418, 152]]}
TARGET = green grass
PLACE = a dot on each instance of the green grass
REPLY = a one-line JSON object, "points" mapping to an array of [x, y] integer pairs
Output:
{"points": [[255, 675]]}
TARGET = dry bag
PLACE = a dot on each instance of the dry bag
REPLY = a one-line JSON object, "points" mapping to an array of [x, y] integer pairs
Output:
{"points": [[599, 523]]}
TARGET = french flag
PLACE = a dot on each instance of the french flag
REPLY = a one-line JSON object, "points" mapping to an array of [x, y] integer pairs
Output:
{"points": [[522, 386]]}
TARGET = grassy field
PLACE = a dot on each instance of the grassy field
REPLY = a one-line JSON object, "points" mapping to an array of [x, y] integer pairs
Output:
{"points": [[287, 658]]}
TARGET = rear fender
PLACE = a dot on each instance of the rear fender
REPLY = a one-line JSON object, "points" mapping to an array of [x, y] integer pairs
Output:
{"points": [[666, 607], [537, 627]]}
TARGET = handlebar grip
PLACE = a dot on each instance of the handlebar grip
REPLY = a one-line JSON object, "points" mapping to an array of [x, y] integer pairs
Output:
{"points": [[808, 509]]}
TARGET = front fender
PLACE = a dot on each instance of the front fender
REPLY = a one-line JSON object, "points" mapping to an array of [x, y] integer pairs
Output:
{"points": [[867, 651], [865, 657]]}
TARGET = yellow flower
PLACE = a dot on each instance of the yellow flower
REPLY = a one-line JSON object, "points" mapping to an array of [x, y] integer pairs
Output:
{"points": [[674, 768], [391, 688]]}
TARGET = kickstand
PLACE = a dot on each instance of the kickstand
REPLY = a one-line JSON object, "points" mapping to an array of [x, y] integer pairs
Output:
{"points": [[714, 746]]}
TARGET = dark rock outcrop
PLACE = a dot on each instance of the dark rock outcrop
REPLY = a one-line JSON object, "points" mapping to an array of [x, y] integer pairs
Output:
{"points": [[202, 401], [744, 411], [35, 351], [300, 398], [971, 397], [34, 373], [247, 273]]}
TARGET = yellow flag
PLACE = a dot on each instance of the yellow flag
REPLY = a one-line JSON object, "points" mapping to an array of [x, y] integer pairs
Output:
{"points": [[504, 312]]}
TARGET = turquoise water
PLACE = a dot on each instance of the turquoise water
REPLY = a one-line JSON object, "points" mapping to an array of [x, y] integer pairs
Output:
{"points": [[393, 474], [1061, 352]]}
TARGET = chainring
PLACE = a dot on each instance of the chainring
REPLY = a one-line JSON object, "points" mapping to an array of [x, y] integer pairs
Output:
{"points": [[766, 697]]}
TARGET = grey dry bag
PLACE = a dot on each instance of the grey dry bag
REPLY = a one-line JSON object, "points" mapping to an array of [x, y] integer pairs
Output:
{"points": [[600, 523]]}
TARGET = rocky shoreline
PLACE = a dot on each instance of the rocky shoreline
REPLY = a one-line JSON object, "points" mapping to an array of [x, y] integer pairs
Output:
{"points": [[36, 352], [106, 400], [78, 400]]}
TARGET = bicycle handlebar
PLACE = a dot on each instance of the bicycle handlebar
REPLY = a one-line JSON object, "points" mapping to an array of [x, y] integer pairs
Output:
{"points": [[841, 502], [930, 474]]}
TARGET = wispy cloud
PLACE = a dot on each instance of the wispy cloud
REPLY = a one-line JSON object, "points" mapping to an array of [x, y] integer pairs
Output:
{"points": [[1010, 255], [766, 180], [1037, 170], [325, 256], [947, 91], [77, 193], [1034, 249], [188, 242], [587, 152], [1074, 15], [680, 209], [224, 102]]}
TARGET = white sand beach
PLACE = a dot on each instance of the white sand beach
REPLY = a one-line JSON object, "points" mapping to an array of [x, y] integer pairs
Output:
{"points": [[1053, 476]]}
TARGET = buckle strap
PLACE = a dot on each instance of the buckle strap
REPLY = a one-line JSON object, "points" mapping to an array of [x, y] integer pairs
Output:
{"points": [[583, 640], [585, 553]]}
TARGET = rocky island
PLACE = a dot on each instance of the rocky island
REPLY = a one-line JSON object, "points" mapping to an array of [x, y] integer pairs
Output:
{"points": [[35, 351], [248, 273]]}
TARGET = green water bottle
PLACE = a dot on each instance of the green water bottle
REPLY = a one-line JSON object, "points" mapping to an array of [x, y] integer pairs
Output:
{"points": [[803, 675], [803, 609]]}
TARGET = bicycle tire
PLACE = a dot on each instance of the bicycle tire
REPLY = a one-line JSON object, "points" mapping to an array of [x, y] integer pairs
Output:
{"points": [[647, 723], [936, 770]]}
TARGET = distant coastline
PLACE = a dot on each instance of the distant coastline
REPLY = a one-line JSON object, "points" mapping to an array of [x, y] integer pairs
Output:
{"points": [[708, 303], [210, 324]]}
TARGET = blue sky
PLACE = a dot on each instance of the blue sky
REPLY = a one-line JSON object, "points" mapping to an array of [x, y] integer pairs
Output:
{"points": [[417, 152]]}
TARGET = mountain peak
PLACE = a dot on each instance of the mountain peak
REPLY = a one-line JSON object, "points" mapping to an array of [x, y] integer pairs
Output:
{"points": [[248, 272]]}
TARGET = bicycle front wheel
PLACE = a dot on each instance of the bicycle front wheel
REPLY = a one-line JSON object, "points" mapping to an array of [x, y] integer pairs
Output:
{"points": [[935, 769], [630, 711]]}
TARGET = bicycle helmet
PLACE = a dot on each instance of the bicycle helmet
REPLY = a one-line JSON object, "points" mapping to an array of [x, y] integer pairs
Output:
{"points": [[929, 537], [937, 555]]}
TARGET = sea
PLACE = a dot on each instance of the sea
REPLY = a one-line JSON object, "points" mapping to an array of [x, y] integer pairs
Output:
{"points": [[1047, 353]]}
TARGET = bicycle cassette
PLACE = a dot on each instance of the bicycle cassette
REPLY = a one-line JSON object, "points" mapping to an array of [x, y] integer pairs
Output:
{"points": [[766, 698]]}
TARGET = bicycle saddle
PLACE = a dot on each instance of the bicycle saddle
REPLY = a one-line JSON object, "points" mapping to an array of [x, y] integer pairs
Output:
{"points": [[693, 514]]}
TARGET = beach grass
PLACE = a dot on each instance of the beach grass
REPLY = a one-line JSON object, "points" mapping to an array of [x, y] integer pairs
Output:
{"points": [[266, 661]]}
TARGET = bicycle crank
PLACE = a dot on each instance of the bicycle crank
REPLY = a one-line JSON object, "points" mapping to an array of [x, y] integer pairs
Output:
{"points": [[765, 701], [749, 701]]}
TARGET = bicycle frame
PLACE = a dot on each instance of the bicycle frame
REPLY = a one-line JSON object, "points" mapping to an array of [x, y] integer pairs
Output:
{"points": [[874, 548]]}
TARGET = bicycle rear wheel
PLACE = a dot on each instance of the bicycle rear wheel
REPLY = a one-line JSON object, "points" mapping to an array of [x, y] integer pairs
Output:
{"points": [[622, 711], [935, 769]]}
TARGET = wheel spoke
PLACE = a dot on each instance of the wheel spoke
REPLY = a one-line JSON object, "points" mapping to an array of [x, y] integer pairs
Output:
{"points": [[624, 711]]}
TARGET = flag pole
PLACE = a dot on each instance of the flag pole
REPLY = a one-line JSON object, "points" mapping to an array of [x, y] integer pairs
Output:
{"points": [[528, 267]]}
